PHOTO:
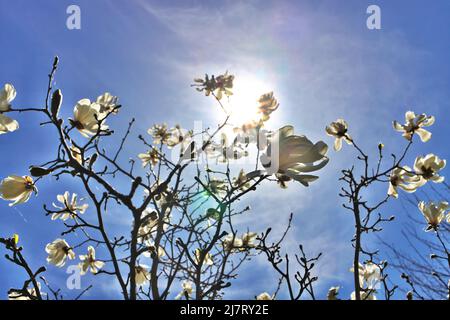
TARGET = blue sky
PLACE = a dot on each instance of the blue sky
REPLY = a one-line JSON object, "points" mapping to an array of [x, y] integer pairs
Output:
{"points": [[318, 56]]}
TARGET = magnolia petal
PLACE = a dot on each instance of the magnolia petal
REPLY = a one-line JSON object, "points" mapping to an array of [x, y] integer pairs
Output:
{"points": [[338, 144], [303, 167], [423, 134], [397, 126], [437, 179], [392, 191], [286, 131], [7, 124], [303, 179], [409, 116]]}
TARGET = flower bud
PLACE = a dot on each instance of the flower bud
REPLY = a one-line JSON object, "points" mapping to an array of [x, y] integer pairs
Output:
{"points": [[56, 103], [409, 295], [39, 171]]}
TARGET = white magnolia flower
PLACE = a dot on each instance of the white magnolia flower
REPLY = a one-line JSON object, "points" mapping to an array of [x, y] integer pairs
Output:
{"points": [[151, 250], [142, 275], [17, 189], [149, 225], [369, 295], [160, 133], [434, 213], [7, 124], [369, 275], [207, 260], [150, 157], [108, 103], [267, 105], [219, 85], [89, 261], [187, 290], [265, 296], [16, 295], [404, 179], [58, 252], [296, 156], [333, 293], [415, 124], [179, 136], [429, 166], [338, 130], [224, 151], [86, 118], [70, 208], [163, 199], [232, 243], [7, 95], [248, 239]]}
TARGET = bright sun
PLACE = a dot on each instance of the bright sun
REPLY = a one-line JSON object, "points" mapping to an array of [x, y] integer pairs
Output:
{"points": [[243, 104]]}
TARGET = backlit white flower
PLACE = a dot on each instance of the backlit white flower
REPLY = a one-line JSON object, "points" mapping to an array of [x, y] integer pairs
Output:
{"points": [[7, 124], [224, 151], [58, 252], [297, 155], [179, 136], [207, 260], [149, 225], [429, 166], [369, 275], [151, 250], [232, 243], [89, 261], [187, 290], [160, 133], [404, 179], [86, 118], [150, 157], [365, 295], [248, 239], [333, 293], [142, 275], [267, 105], [219, 85], [434, 213], [108, 103], [7, 95], [70, 207], [265, 296], [338, 130], [414, 124], [17, 189]]}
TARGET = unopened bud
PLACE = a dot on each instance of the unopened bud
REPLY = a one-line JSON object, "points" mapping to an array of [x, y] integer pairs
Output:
{"points": [[56, 103], [39, 171]]}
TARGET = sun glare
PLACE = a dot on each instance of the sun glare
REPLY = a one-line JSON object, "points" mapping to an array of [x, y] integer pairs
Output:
{"points": [[243, 104]]}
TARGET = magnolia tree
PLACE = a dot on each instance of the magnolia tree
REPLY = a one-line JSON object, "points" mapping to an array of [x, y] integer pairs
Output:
{"points": [[370, 274], [184, 241]]}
